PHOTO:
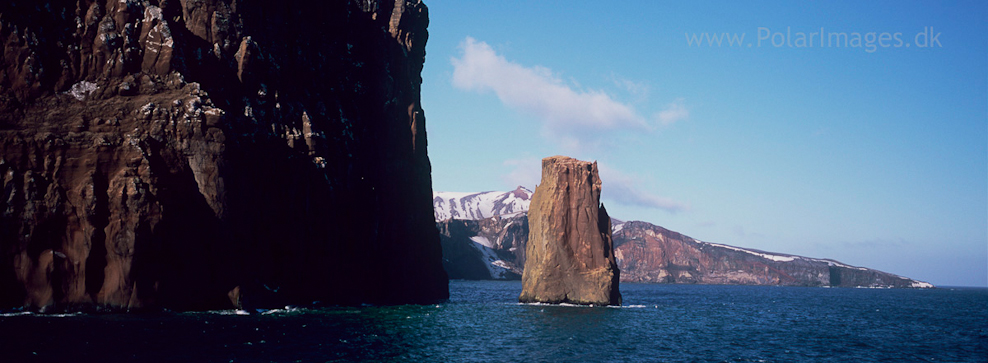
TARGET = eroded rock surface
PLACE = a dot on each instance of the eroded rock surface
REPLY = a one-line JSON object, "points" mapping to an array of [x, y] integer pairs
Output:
{"points": [[202, 154], [570, 255]]}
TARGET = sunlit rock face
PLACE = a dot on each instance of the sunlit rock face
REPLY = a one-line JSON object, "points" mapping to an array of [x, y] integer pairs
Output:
{"points": [[649, 253], [210, 154], [570, 255]]}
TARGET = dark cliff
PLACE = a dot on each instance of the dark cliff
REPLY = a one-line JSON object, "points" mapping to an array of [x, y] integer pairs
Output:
{"points": [[197, 154], [486, 249]]}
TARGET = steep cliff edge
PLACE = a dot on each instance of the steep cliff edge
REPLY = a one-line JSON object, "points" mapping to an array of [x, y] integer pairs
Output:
{"points": [[570, 256], [202, 154]]}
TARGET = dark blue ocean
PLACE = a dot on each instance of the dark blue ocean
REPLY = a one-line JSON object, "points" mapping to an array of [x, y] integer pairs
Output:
{"points": [[482, 322]]}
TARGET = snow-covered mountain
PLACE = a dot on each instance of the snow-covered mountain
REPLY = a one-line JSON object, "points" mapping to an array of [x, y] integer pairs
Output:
{"points": [[474, 206]]}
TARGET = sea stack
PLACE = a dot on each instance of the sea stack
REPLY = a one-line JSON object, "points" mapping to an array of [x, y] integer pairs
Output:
{"points": [[570, 255]]}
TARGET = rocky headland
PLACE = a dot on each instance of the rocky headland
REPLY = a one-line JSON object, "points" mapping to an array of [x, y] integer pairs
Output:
{"points": [[569, 257], [649, 253], [202, 154]]}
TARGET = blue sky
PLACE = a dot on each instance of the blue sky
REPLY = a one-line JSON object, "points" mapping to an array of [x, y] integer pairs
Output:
{"points": [[872, 153]]}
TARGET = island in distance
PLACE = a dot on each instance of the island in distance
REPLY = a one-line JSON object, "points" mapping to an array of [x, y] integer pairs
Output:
{"points": [[484, 236]]}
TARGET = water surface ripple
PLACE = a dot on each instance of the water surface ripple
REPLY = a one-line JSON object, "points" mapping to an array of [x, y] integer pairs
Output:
{"points": [[482, 322]]}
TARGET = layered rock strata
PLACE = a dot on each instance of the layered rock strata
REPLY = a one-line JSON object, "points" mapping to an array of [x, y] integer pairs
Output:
{"points": [[570, 255], [202, 154]]}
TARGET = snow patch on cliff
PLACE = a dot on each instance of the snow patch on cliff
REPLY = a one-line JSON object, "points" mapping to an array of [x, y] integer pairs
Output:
{"points": [[617, 227], [786, 258], [779, 258], [483, 241], [835, 263], [82, 89], [497, 267], [921, 285]]}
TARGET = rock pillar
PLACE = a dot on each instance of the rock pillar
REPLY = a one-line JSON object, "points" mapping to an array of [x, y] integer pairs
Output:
{"points": [[570, 255]]}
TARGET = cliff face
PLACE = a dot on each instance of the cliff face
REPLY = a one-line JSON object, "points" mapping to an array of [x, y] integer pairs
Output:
{"points": [[649, 253], [652, 254], [570, 256], [199, 154]]}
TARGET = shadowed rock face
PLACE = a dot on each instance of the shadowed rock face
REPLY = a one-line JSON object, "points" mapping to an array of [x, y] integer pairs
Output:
{"points": [[502, 258], [201, 154], [570, 255]]}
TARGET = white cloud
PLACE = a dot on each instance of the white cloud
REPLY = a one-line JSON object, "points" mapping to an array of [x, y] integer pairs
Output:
{"points": [[673, 112], [574, 117], [526, 172], [640, 90], [571, 115], [624, 189]]}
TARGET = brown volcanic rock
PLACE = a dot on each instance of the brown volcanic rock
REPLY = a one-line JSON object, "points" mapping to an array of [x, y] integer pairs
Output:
{"points": [[570, 256], [184, 154], [649, 253]]}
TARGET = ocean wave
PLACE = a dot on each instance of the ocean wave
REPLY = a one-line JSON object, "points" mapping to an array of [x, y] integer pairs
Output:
{"points": [[225, 312], [43, 315], [285, 310], [16, 313], [584, 306], [628, 306]]}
